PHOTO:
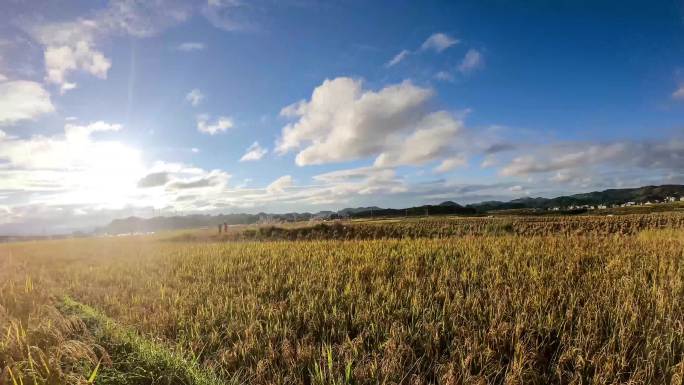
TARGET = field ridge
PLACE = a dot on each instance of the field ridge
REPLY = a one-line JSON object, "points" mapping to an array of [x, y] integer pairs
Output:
{"points": [[150, 358]]}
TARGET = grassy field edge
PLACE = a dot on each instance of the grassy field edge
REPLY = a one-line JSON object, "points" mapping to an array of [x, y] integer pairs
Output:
{"points": [[136, 359]]}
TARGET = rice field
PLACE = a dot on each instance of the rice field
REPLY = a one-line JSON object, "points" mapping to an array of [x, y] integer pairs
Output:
{"points": [[586, 301]]}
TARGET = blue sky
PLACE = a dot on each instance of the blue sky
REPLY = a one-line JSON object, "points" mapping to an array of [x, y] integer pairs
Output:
{"points": [[121, 107]]}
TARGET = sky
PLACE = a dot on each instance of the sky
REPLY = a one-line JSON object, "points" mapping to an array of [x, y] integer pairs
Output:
{"points": [[165, 107]]}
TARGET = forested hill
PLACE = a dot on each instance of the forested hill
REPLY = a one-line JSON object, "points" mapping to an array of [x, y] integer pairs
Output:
{"points": [[606, 197]]}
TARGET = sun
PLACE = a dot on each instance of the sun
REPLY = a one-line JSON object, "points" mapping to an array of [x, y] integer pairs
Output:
{"points": [[106, 175]]}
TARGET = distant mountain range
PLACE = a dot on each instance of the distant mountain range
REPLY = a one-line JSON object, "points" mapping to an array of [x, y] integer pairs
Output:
{"points": [[606, 197]]}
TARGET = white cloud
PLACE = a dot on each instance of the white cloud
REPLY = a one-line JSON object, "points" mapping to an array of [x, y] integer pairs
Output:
{"points": [[231, 15], [342, 184], [191, 46], [451, 163], [154, 179], [178, 177], [398, 58], [23, 100], [59, 60], [432, 138], [71, 168], [444, 76], [195, 97], [254, 152], [69, 46], [142, 18], [471, 61], [213, 179], [679, 93], [280, 185], [75, 132], [222, 124], [568, 158], [344, 122], [438, 42], [72, 45], [3, 78]]}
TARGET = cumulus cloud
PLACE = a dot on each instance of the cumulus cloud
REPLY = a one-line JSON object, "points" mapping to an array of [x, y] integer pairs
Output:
{"points": [[254, 152], [398, 58], [343, 122], [177, 177], [438, 42], [571, 157], [212, 179], [72, 45], [59, 60], [75, 167], [23, 100], [75, 132], [195, 97], [432, 138], [222, 124], [74, 150], [154, 179], [472, 60], [191, 46], [360, 181], [280, 185], [452, 163]]}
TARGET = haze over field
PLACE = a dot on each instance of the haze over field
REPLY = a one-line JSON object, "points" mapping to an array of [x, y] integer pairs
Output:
{"points": [[125, 107]]}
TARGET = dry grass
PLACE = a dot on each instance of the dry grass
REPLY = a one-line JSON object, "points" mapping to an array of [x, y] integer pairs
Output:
{"points": [[441, 227], [39, 344], [597, 306]]}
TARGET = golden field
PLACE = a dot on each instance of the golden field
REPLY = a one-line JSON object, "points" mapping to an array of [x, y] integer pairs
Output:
{"points": [[579, 300]]}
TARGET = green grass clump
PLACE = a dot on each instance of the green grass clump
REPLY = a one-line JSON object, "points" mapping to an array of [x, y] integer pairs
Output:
{"points": [[139, 360]]}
